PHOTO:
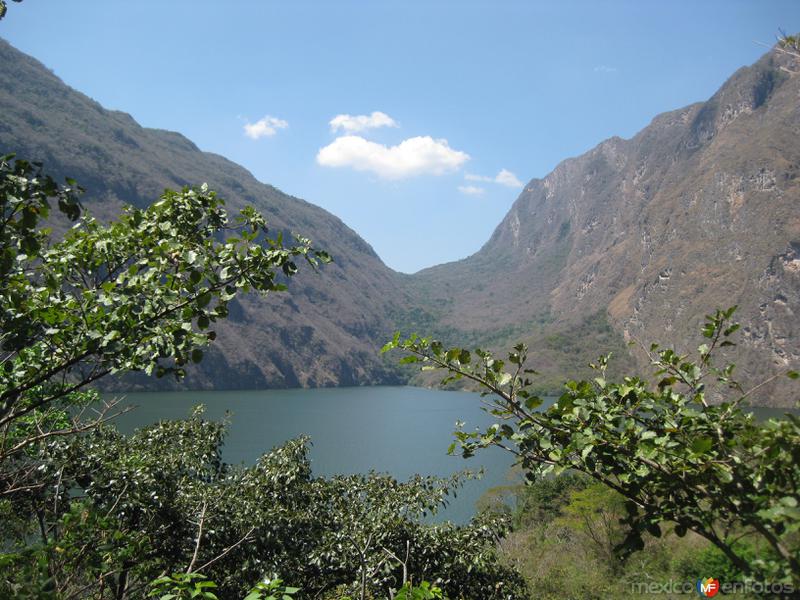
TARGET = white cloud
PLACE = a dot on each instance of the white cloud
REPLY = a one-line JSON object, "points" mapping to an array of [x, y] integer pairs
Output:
{"points": [[507, 178], [473, 177], [504, 177], [357, 123], [471, 190], [420, 155], [266, 127], [605, 69]]}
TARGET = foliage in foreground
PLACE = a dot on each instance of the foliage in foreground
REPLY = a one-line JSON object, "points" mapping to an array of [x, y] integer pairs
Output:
{"points": [[194, 585], [88, 512], [139, 294], [673, 457], [120, 511]]}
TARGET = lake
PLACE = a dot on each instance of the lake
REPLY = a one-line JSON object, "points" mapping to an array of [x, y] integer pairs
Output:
{"points": [[397, 430]]}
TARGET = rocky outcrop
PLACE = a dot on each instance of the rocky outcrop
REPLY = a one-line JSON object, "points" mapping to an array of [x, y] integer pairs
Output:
{"points": [[635, 240], [699, 210]]}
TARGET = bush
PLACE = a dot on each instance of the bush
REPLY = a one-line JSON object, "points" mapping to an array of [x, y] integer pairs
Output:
{"points": [[670, 453]]}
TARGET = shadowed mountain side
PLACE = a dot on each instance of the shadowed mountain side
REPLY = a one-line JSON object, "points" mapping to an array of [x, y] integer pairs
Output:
{"points": [[699, 210], [325, 331], [636, 239]]}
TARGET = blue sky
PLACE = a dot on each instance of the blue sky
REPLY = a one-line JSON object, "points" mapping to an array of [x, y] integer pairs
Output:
{"points": [[444, 107]]}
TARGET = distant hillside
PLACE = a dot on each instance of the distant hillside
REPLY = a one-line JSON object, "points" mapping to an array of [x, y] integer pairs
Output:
{"points": [[636, 239], [699, 210], [325, 332]]}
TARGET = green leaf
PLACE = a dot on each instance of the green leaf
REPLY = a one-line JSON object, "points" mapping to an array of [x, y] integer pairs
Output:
{"points": [[731, 329], [701, 445], [203, 299], [533, 402]]}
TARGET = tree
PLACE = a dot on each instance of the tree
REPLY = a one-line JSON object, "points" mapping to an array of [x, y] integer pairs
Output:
{"points": [[90, 512], [4, 7], [594, 513], [674, 457], [160, 506], [139, 294], [789, 45]]}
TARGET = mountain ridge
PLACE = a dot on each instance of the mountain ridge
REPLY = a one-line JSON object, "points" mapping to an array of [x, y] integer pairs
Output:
{"points": [[615, 229], [635, 239], [117, 162]]}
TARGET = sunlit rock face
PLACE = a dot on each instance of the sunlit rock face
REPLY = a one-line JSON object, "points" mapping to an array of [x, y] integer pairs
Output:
{"points": [[636, 240], [699, 210]]}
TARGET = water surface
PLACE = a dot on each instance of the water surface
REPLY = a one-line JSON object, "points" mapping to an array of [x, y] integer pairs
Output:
{"points": [[396, 430]]}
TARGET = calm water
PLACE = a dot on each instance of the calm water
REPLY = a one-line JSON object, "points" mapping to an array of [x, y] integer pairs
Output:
{"points": [[397, 430]]}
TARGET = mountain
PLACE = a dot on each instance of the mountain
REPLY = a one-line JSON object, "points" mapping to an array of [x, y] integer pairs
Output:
{"points": [[325, 331], [637, 239], [645, 236]]}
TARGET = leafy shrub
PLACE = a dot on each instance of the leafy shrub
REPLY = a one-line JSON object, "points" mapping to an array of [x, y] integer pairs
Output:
{"points": [[666, 449]]}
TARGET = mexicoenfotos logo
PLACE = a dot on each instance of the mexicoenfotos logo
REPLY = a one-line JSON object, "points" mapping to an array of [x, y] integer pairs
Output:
{"points": [[708, 587]]}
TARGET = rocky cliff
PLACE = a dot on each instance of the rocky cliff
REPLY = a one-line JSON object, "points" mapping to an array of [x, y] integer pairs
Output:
{"points": [[699, 210], [635, 240]]}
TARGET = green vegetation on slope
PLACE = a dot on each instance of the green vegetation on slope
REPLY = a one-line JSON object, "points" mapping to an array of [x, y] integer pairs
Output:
{"points": [[566, 528], [115, 512], [671, 455]]}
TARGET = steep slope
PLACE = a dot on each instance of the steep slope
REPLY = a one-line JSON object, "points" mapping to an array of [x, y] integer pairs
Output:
{"points": [[699, 210], [636, 239], [326, 331]]}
